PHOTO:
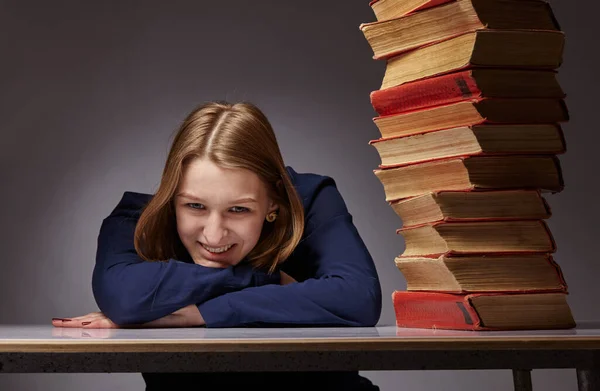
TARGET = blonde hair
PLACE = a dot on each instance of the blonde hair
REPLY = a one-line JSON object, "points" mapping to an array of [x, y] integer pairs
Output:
{"points": [[231, 136]]}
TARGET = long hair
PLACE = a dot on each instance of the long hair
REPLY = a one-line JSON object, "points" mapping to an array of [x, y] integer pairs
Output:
{"points": [[231, 136]]}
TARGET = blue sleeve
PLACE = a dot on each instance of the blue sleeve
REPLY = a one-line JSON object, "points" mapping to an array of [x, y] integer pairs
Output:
{"points": [[130, 290], [344, 290]]}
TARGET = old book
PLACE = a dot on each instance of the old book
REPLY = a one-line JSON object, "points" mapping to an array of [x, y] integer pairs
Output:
{"points": [[466, 85], [389, 9], [472, 206], [482, 273], [470, 140], [472, 172], [481, 48], [479, 237], [482, 311], [391, 37], [473, 112]]}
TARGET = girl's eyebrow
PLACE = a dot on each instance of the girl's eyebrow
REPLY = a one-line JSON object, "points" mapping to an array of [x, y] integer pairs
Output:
{"points": [[188, 195], [243, 200]]}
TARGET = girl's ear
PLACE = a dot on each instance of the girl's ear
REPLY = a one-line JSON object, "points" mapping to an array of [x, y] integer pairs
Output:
{"points": [[272, 206]]}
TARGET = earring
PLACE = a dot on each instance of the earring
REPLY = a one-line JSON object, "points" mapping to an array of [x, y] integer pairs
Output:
{"points": [[271, 217]]}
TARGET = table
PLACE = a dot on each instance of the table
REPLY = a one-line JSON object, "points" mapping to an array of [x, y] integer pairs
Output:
{"points": [[42, 348]]}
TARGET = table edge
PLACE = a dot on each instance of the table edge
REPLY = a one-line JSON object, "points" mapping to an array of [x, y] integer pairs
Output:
{"points": [[298, 344]]}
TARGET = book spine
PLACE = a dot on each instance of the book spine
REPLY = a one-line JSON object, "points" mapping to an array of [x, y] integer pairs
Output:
{"points": [[449, 219], [561, 286], [478, 154], [559, 272], [434, 310], [561, 180], [446, 89], [562, 135], [481, 220], [546, 204], [429, 4], [424, 162], [552, 15], [425, 5], [429, 112], [550, 236], [551, 244]]}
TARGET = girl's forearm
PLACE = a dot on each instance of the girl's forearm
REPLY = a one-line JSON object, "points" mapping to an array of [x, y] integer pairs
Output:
{"points": [[188, 316]]}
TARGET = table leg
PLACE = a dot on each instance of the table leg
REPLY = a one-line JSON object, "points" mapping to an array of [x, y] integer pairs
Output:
{"points": [[588, 379], [522, 379]]}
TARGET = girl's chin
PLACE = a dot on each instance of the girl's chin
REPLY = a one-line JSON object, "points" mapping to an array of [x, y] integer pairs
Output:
{"points": [[212, 264]]}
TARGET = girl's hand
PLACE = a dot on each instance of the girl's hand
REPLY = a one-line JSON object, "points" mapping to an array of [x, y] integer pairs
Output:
{"points": [[93, 320], [185, 317]]}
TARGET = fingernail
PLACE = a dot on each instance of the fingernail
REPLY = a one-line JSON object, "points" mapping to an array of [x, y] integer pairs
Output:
{"points": [[62, 319], [85, 323]]}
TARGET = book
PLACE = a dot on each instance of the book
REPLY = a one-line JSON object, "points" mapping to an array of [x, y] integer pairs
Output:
{"points": [[470, 140], [482, 311], [391, 37], [485, 273], [507, 237], [389, 9], [472, 206], [482, 48], [473, 112], [472, 172], [466, 85]]}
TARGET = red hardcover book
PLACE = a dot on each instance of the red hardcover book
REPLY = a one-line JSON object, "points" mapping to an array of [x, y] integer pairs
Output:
{"points": [[465, 85], [482, 311]]}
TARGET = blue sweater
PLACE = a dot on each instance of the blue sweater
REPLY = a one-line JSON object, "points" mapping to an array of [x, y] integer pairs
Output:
{"points": [[337, 281]]}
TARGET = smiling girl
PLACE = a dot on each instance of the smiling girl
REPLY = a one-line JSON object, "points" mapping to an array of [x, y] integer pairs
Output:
{"points": [[233, 238]]}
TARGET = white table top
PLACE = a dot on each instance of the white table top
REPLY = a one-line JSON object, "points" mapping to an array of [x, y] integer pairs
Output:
{"points": [[45, 338]]}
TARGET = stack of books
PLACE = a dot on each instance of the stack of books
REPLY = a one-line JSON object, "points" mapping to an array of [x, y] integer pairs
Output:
{"points": [[470, 114]]}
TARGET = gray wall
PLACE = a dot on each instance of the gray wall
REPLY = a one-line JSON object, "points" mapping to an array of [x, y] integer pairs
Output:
{"points": [[91, 93]]}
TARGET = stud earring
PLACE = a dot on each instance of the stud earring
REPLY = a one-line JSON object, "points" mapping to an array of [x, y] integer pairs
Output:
{"points": [[271, 217]]}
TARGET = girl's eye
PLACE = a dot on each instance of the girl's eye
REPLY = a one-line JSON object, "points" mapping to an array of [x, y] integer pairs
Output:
{"points": [[195, 206], [239, 209]]}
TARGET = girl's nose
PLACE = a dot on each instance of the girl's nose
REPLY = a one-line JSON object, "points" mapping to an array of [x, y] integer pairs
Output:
{"points": [[215, 232]]}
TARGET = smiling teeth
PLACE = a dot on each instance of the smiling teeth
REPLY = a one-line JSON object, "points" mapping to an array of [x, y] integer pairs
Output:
{"points": [[219, 249]]}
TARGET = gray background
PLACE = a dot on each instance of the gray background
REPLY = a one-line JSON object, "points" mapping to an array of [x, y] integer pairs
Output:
{"points": [[91, 93]]}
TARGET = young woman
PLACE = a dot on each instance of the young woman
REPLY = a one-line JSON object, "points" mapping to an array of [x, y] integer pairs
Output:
{"points": [[233, 238]]}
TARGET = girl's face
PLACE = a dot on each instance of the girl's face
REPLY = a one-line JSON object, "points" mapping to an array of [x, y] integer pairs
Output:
{"points": [[220, 212]]}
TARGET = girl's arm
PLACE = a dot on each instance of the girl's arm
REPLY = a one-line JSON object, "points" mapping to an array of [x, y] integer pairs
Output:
{"points": [[188, 316], [344, 290], [130, 290]]}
